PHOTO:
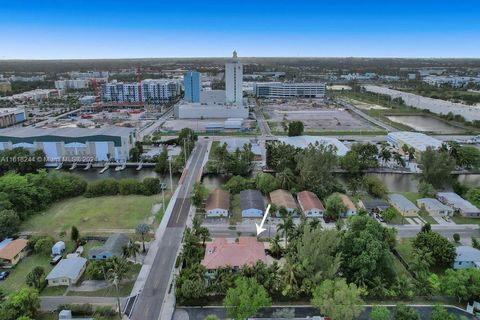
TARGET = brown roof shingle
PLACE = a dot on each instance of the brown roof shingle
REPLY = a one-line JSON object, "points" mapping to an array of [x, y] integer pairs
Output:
{"points": [[12, 249], [221, 253], [283, 198], [309, 200], [218, 199]]}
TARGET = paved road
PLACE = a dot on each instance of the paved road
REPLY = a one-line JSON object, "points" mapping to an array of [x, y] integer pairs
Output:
{"points": [[151, 129], [405, 231], [152, 296], [366, 116], [262, 123], [50, 303]]}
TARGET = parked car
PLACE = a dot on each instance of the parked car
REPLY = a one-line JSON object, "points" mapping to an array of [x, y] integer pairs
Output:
{"points": [[4, 275], [55, 260]]}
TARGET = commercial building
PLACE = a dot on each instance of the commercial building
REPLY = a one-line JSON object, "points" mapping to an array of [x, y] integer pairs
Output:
{"points": [[403, 205], [435, 207], [72, 144], [11, 116], [419, 141], [351, 209], [113, 247], [72, 84], [453, 81], [34, 95], [27, 78], [289, 90], [466, 257], [283, 199], [310, 204], [252, 203], [67, 272], [97, 75], [218, 203], [234, 81], [153, 91], [462, 206], [12, 251], [221, 253], [192, 86], [304, 141]]}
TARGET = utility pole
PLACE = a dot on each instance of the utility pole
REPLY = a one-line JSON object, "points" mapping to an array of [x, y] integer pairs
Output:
{"points": [[163, 186]]}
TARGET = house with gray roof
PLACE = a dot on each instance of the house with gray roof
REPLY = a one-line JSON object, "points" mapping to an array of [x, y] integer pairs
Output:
{"points": [[467, 257], [462, 206], [403, 205], [112, 247], [435, 207], [252, 203], [67, 272]]}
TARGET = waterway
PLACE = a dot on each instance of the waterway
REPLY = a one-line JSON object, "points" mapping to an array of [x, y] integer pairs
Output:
{"points": [[426, 124], [393, 182]]}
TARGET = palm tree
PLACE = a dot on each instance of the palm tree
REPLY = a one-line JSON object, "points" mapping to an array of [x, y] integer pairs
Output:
{"points": [[286, 226], [398, 158], [131, 250], [204, 234], [142, 230], [290, 270], [117, 270], [286, 179], [275, 248], [385, 155]]}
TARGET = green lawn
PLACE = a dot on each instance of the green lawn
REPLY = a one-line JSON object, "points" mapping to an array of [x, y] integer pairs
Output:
{"points": [[17, 277], [464, 220], [123, 291], [54, 291], [405, 248], [90, 214]]}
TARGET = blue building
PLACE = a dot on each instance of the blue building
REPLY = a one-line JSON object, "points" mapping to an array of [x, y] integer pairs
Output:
{"points": [[191, 82]]}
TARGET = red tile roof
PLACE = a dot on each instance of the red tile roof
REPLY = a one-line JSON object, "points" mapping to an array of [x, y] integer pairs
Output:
{"points": [[221, 253], [12, 249], [309, 200]]}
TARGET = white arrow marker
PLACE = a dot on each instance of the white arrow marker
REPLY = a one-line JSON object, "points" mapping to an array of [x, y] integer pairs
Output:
{"points": [[260, 227]]}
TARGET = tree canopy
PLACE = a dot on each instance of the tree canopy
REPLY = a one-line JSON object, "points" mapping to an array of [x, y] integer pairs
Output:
{"points": [[245, 298]]}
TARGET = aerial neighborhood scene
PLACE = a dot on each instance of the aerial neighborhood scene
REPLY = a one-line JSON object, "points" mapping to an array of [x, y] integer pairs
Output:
{"points": [[251, 160]]}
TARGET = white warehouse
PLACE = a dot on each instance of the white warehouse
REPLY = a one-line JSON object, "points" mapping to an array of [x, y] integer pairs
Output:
{"points": [[72, 144]]}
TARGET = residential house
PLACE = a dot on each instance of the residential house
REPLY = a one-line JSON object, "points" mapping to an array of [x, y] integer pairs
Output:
{"points": [[351, 208], [310, 204], [12, 252], [112, 247], [222, 253], [462, 206], [283, 199], [375, 205], [435, 207], [403, 205], [218, 203], [252, 203], [67, 272], [467, 257]]}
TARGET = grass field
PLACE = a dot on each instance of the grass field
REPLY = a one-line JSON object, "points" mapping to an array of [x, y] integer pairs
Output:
{"points": [[90, 214], [236, 213], [465, 220], [405, 248], [17, 277]]}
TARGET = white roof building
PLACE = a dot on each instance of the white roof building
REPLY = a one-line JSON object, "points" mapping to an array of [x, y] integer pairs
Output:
{"points": [[417, 140], [303, 142], [464, 207], [67, 271], [467, 257]]}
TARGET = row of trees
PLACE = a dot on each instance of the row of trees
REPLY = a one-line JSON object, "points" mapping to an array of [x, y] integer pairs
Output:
{"points": [[127, 186], [238, 162]]}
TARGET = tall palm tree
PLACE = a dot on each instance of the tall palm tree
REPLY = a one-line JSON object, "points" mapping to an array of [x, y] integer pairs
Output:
{"points": [[286, 179], [290, 275], [131, 250], [385, 155], [275, 248], [115, 273], [286, 226]]}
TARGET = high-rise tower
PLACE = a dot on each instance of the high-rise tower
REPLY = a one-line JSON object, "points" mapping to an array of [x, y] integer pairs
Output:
{"points": [[191, 83], [234, 80]]}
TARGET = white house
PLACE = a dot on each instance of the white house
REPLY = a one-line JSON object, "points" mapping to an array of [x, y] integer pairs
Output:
{"points": [[467, 257]]}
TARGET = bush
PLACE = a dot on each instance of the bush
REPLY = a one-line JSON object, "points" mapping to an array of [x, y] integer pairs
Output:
{"points": [[456, 237], [44, 245], [107, 187], [85, 309], [130, 186], [151, 186]]}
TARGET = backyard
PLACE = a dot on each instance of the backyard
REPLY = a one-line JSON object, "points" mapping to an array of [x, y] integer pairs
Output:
{"points": [[92, 215]]}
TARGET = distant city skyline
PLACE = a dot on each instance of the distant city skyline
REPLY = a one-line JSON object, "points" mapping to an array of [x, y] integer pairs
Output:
{"points": [[156, 29]]}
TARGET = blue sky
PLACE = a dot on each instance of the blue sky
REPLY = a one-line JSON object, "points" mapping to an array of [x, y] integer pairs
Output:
{"points": [[129, 29]]}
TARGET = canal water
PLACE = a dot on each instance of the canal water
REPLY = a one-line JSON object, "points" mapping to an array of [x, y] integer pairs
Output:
{"points": [[426, 124], [393, 182]]}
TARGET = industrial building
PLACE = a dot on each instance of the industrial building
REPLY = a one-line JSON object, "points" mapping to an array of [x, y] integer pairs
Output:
{"points": [[419, 141], [462, 206], [11, 116], [192, 86], [35, 95], [154, 91], [289, 90], [72, 84], [72, 144], [304, 141]]}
